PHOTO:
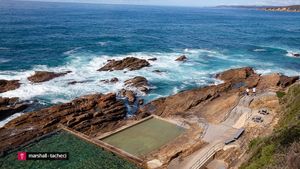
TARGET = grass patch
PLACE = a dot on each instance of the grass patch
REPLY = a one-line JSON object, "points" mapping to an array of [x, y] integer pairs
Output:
{"points": [[280, 94]]}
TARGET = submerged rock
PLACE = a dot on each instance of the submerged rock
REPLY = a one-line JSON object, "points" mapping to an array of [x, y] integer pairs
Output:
{"points": [[181, 58], [130, 63], [7, 85], [88, 114], [296, 55], [76, 82], [152, 59], [10, 106], [43, 76], [113, 80]]}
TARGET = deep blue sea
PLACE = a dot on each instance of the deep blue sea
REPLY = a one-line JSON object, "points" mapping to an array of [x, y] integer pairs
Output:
{"points": [[81, 37]]}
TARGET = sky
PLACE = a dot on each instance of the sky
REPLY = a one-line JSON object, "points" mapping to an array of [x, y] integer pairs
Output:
{"points": [[187, 2]]}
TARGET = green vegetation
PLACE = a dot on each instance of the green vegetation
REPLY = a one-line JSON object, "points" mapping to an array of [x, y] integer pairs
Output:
{"points": [[281, 149], [280, 94], [144, 137], [82, 155]]}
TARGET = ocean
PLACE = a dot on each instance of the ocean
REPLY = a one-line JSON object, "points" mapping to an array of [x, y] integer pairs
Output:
{"points": [[81, 37]]}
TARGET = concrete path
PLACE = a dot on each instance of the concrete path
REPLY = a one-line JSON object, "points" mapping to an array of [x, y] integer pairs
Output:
{"points": [[216, 134]]}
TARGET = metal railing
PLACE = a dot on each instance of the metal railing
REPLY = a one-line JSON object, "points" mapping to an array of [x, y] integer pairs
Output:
{"points": [[211, 152]]}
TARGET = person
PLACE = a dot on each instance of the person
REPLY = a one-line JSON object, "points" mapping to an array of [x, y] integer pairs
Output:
{"points": [[247, 91], [254, 91]]}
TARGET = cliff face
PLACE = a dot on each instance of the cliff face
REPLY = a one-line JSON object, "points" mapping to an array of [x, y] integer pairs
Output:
{"points": [[294, 8]]}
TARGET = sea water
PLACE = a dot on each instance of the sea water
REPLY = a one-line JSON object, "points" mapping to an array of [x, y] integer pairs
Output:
{"points": [[82, 37]]}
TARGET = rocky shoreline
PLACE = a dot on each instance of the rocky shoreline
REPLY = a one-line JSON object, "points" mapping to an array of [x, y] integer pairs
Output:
{"points": [[99, 113], [294, 8]]}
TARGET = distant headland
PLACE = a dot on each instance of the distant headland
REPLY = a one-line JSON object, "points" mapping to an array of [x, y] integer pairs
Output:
{"points": [[292, 8]]}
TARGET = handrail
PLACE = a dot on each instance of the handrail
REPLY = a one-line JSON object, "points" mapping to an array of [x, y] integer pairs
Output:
{"points": [[200, 162]]}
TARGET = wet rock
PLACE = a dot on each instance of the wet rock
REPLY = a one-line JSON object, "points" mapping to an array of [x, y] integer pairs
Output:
{"points": [[157, 71], [113, 80], [88, 114], [7, 85], [296, 55], [43, 76], [181, 58], [10, 106], [130, 63], [141, 101], [80, 82], [138, 82], [152, 59], [130, 95]]}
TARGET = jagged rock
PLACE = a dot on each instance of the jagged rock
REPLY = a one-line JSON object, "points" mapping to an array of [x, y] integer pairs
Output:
{"points": [[152, 59], [276, 80], [129, 95], [10, 106], [7, 85], [181, 58], [88, 114], [236, 74], [138, 82], [130, 63], [43, 76]]}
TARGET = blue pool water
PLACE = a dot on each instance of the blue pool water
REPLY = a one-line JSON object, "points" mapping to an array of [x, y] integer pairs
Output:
{"points": [[81, 37]]}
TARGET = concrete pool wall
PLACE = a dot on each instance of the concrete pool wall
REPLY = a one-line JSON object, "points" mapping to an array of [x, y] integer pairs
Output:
{"points": [[144, 136]]}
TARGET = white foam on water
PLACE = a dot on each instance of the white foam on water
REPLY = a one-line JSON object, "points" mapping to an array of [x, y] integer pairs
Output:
{"points": [[259, 50], [3, 122], [292, 53], [4, 48], [196, 71], [4, 60]]}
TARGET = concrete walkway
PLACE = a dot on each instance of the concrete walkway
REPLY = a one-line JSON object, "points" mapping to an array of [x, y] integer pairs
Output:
{"points": [[216, 134]]}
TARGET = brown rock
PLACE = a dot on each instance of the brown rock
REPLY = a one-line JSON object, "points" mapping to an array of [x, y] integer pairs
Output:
{"points": [[10, 106], [130, 63], [236, 74], [89, 114], [181, 58], [6, 85], [138, 82], [286, 81], [130, 95], [43, 76]]}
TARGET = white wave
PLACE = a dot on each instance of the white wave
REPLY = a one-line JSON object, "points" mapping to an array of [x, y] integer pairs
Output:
{"points": [[292, 54], [3, 48], [72, 51], [3, 122], [259, 50], [102, 43], [4, 60]]}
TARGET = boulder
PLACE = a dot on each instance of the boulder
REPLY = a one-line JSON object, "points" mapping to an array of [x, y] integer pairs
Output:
{"points": [[89, 114], [139, 83], [10, 106], [130, 95], [236, 74], [43, 76], [7, 85], [130, 63], [181, 58]]}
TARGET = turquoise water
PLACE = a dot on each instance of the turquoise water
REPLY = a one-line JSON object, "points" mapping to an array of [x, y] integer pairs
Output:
{"points": [[81, 37]]}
